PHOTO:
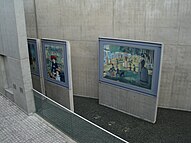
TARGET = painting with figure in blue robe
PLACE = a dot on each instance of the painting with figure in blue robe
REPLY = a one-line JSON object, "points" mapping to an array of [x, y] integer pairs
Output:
{"points": [[33, 56], [133, 65], [55, 62]]}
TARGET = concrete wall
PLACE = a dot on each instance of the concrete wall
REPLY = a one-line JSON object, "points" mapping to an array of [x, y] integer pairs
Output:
{"points": [[82, 21], [30, 17], [16, 61], [3, 81], [132, 103], [58, 93], [36, 83]]}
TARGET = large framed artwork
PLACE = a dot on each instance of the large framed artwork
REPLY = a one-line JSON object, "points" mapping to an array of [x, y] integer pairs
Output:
{"points": [[134, 65], [55, 61], [33, 56]]}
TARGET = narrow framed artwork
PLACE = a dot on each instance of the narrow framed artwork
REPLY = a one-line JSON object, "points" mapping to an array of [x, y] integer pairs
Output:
{"points": [[33, 56], [55, 63], [133, 65]]}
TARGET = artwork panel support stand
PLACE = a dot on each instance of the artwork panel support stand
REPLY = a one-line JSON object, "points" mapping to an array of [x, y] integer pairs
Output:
{"points": [[126, 93]]}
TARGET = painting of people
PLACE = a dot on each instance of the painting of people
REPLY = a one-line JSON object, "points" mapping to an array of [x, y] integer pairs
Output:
{"points": [[54, 55], [33, 56], [129, 65]]}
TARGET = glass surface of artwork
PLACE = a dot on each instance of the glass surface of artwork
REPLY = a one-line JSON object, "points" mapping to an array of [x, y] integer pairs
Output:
{"points": [[129, 64], [33, 56], [55, 64]]}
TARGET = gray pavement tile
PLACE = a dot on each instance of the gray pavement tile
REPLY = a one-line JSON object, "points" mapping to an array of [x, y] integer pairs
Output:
{"points": [[17, 127]]}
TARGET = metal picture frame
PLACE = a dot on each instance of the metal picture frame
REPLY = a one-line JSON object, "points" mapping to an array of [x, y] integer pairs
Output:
{"points": [[64, 57], [157, 49], [33, 56]]}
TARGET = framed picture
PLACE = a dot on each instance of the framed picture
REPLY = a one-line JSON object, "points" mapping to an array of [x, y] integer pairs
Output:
{"points": [[55, 61], [33, 56], [134, 65]]}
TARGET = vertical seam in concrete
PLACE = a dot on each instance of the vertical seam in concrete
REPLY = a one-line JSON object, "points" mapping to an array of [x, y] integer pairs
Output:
{"points": [[145, 22], [36, 20], [16, 27], [178, 20], [1, 41], [172, 86], [113, 23]]}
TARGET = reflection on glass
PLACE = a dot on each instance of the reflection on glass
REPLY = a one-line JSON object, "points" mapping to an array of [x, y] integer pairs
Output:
{"points": [[32, 49], [55, 62], [129, 65]]}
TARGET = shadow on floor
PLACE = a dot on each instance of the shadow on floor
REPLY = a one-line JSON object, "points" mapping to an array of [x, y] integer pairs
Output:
{"points": [[172, 126]]}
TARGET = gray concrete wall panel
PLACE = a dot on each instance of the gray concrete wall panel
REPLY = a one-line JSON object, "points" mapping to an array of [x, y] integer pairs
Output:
{"points": [[14, 41], [81, 22], [36, 83], [57, 93], [132, 103]]}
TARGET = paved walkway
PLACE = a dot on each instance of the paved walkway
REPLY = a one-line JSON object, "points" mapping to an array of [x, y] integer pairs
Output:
{"points": [[17, 127]]}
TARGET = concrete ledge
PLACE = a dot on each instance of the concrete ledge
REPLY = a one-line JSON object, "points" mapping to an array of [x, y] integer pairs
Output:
{"points": [[9, 94]]}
